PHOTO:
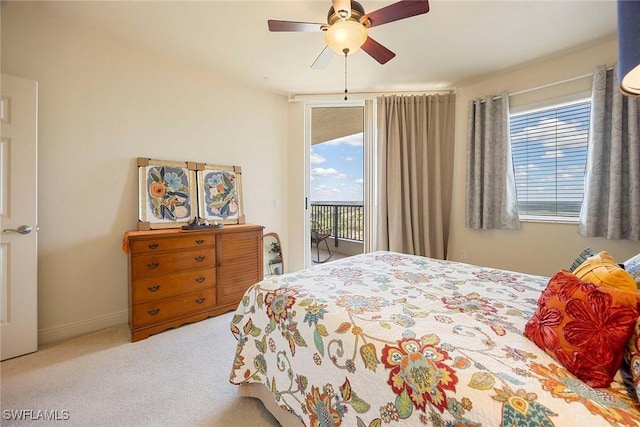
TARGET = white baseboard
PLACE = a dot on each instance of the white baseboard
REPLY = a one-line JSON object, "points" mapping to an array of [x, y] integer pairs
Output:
{"points": [[83, 327]]}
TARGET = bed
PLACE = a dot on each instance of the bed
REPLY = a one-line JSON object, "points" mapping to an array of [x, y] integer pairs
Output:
{"points": [[388, 338]]}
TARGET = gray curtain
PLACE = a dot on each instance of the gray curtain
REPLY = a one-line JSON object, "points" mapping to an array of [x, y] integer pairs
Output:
{"points": [[611, 204], [492, 202], [415, 170]]}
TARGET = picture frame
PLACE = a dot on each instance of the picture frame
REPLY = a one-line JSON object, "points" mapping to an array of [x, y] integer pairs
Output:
{"points": [[220, 194], [167, 195]]}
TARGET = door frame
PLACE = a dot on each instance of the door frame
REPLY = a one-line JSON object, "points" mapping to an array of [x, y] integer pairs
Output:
{"points": [[369, 172]]}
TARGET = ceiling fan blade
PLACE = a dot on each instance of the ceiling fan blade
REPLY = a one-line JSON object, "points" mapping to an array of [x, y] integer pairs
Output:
{"points": [[323, 59], [275, 25], [394, 12], [377, 51]]}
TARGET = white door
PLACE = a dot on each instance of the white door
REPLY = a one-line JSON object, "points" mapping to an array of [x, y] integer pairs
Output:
{"points": [[18, 209]]}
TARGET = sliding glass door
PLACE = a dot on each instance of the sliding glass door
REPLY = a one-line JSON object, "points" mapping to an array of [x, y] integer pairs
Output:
{"points": [[338, 180]]}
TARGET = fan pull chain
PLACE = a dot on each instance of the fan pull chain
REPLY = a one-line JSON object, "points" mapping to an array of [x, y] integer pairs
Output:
{"points": [[346, 51]]}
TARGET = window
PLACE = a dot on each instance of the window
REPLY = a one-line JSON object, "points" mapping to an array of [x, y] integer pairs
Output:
{"points": [[549, 155]]}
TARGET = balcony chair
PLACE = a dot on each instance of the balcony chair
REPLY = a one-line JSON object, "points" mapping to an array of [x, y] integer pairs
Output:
{"points": [[319, 235]]}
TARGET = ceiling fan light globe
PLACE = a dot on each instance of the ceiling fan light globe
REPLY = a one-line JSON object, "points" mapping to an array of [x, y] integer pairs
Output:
{"points": [[631, 82], [349, 35]]}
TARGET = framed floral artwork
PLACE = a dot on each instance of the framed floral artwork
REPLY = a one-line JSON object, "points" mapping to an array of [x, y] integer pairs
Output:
{"points": [[220, 194], [167, 193]]}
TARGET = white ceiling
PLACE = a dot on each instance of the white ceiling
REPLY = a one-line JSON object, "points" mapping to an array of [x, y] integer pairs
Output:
{"points": [[456, 42]]}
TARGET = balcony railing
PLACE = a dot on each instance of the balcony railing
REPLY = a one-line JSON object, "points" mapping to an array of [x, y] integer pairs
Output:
{"points": [[346, 221]]}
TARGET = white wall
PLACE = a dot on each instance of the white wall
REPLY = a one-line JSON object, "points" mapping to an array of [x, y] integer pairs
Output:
{"points": [[102, 105], [537, 248]]}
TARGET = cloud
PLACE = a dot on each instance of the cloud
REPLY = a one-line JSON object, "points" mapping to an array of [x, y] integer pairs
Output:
{"points": [[327, 172], [334, 181], [549, 138], [327, 193], [324, 192], [551, 131], [552, 154], [316, 158]]}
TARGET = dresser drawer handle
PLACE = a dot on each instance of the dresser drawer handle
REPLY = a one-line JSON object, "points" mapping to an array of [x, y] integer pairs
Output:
{"points": [[153, 288], [153, 265], [200, 241], [200, 300], [200, 279], [200, 258], [153, 245], [154, 311]]}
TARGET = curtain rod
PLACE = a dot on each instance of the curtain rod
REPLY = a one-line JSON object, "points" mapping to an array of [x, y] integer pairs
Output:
{"points": [[332, 97], [533, 89], [298, 97]]}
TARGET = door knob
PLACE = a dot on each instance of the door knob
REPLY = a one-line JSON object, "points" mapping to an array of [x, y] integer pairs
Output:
{"points": [[23, 229]]}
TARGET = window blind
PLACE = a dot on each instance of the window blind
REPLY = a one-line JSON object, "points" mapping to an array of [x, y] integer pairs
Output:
{"points": [[549, 149]]}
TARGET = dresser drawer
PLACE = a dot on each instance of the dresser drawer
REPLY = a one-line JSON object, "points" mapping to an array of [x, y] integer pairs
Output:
{"points": [[167, 243], [172, 284], [167, 262], [157, 311]]}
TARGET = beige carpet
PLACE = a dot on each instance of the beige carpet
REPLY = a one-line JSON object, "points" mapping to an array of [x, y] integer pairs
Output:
{"points": [[177, 378]]}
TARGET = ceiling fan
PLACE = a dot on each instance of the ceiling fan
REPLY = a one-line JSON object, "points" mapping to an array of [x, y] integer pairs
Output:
{"points": [[347, 25]]}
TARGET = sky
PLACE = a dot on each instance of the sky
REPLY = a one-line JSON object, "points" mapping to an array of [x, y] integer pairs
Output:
{"points": [[337, 165], [337, 170], [555, 139]]}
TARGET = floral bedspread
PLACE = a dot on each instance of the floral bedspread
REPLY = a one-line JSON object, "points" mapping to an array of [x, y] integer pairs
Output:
{"points": [[386, 338]]}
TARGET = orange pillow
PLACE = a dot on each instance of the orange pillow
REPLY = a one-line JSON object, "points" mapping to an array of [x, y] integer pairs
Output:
{"points": [[584, 327], [602, 270]]}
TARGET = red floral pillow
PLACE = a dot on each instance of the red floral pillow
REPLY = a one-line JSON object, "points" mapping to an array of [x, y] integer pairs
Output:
{"points": [[584, 326]]}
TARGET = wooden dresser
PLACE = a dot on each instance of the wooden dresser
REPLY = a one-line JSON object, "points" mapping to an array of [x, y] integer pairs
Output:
{"points": [[186, 276]]}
